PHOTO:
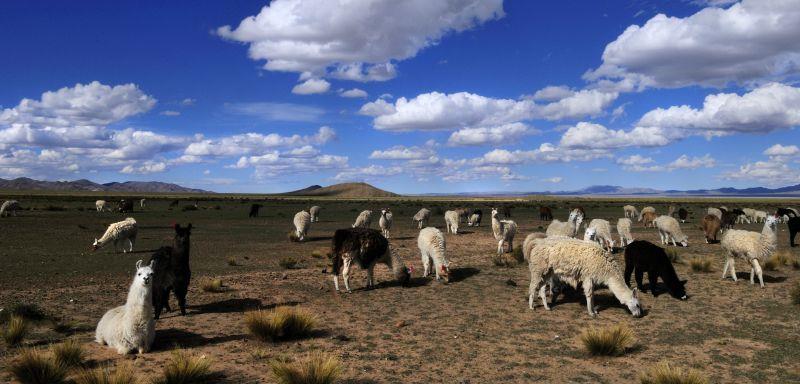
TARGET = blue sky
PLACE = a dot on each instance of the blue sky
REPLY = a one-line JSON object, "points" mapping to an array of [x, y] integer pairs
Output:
{"points": [[414, 96]]}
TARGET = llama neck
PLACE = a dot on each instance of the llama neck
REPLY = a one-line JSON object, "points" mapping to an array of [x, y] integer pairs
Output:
{"points": [[495, 226], [139, 296], [768, 241], [395, 262], [619, 289]]}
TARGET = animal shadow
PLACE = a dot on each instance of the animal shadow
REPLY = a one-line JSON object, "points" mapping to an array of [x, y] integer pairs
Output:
{"points": [[167, 339], [767, 278], [461, 274], [227, 306], [403, 238], [318, 238]]}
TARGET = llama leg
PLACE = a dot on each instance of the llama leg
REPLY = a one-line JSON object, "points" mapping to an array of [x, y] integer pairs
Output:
{"points": [[733, 269], [628, 273], [752, 271], [543, 296], [511, 246], [639, 274], [336, 281], [588, 290], [370, 276], [673, 241], [426, 264], [180, 294], [531, 290], [500, 247], [346, 261], [652, 277], [130, 242], [759, 273], [157, 303]]}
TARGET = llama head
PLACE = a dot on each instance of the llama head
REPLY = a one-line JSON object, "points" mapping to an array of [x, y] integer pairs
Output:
{"points": [[494, 213], [679, 291], [771, 222], [633, 304], [182, 235], [96, 245], [404, 277], [144, 274], [444, 273]]}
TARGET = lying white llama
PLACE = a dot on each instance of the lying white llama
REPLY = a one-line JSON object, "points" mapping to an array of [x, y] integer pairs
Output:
{"points": [[451, 220], [750, 246], [669, 229], [576, 262], [9, 207], [118, 232], [422, 217], [131, 327], [601, 233], [566, 229], [432, 247], [624, 231], [385, 222], [302, 221], [504, 231], [364, 219]]}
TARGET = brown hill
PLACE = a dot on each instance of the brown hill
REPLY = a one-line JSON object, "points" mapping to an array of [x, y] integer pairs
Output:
{"points": [[351, 190]]}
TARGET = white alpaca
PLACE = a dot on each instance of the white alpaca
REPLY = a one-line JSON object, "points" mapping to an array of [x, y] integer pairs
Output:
{"points": [[760, 216], [432, 247], [451, 221], [601, 233], [142, 203], [9, 207], [422, 217], [566, 229], [100, 205], [504, 231], [750, 246], [576, 262], [364, 219], [624, 231], [669, 229], [302, 221], [645, 210], [117, 232], [314, 211], [630, 211], [750, 213], [385, 222], [131, 327]]}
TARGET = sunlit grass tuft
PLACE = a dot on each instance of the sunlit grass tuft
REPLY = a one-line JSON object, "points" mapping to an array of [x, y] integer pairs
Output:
{"points": [[609, 341], [282, 323], [316, 369], [664, 373]]}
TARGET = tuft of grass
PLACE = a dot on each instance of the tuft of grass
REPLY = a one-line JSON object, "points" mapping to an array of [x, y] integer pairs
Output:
{"points": [[232, 261], [213, 285], [609, 341], [292, 236], [288, 262], [185, 368], [504, 261], [15, 331], [320, 253], [664, 373], [30, 312], [33, 367], [282, 323], [795, 293], [121, 375], [68, 354], [778, 259], [518, 255], [673, 255], [699, 264], [318, 368]]}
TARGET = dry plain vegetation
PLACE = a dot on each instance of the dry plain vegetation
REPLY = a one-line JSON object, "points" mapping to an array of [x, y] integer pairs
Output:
{"points": [[476, 329]]}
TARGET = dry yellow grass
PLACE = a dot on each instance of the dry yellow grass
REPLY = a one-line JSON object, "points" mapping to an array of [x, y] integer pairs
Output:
{"points": [[316, 369], [282, 323], [120, 375], [699, 264], [609, 341], [213, 285], [185, 368], [68, 354], [15, 331], [34, 367], [664, 373]]}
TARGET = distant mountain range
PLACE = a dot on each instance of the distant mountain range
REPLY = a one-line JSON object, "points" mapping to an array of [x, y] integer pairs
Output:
{"points": [[613, 190], [351, 190], [27, 184]]}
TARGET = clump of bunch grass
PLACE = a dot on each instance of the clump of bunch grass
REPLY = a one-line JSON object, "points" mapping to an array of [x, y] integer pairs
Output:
{"points": [[15, 331], [319, 253], [282, 323], [213, 285], [292, 236], [699, 264], [504, 260], [120, 375], [318, 368], [664, 373], [68, 354], [185, 368], [609, 341], [232, 261], [30, 312], [778, 259], [795, 293], [518, 255], [288, 262], [673, 255], [34, 367]]}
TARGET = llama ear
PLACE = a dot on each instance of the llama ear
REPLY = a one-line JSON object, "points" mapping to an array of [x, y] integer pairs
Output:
{"points": [[635, 293], [152, 263], [138, 264]]}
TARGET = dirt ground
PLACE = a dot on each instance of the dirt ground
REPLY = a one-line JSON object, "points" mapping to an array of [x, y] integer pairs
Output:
{"points": [[476, 329]]}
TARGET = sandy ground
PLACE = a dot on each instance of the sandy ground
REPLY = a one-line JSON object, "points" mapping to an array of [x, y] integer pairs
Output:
{"points": [[476, 329]]}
